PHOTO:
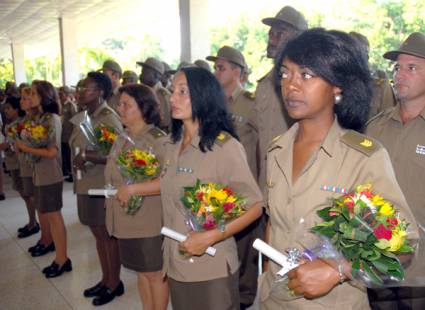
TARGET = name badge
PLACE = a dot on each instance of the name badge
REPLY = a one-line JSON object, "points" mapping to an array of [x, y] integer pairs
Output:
{"points": [[420, 149], [184, 170], [333, 189]]}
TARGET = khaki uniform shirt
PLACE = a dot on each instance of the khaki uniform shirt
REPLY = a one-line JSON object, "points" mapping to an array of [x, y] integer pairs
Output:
{"points": [[406, 146], [241, 106], [272, 121], [48, 171], [93, 176], [11, 158], [68, 111], [114, 99], [225, 164], [340, 161], [164, 105], [25, 168], [383, 95], [147, 222]]}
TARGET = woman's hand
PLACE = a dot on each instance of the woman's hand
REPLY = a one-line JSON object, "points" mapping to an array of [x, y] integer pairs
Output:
{"points": [[313, 279], [20, 146], [123, 195], [79, 162], [197, 243]]}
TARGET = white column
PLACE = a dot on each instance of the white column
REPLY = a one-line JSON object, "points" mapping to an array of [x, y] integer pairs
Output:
{"points": [[18, 62], [194, 29], [69, 50]]}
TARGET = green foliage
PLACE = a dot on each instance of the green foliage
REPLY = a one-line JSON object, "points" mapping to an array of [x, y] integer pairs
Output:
{"points": [[6, 71]]}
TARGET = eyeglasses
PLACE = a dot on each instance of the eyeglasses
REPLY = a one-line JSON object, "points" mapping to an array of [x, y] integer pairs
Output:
{"points": [[82, 88]]}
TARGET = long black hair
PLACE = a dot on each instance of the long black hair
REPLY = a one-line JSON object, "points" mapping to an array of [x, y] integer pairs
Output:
{"points": [[49, 99], [337, 58], [209, 107]]}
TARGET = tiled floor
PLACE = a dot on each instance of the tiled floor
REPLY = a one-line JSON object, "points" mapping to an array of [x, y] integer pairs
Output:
{"points": [[22, 285]]}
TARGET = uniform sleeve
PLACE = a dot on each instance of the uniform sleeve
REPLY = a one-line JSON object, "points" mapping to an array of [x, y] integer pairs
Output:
{"points": [[379, 172], [234, 167], [55, 125]]}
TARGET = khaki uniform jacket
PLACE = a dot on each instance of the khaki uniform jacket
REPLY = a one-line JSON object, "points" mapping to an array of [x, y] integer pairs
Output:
{"points": [[241, 106], [164, 105], [225, 164], [68, 111], [25, 168], [11, 159], [114, 99], [147, 222], [272, 121], [48, 171], [93, 176], [341, 161], [383, 95], [406, 146]]}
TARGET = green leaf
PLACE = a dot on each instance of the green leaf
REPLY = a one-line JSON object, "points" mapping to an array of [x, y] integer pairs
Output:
{"points": [[382, 244], [371, 274]]}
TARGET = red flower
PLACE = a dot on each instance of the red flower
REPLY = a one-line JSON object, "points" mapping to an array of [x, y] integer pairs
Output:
{"points": [[140, 162], [227, 206], [209, 223], [350, 205], [228, 191], [393, 221], [381, 232], [367, 193], [333, 213], [200, 195]]}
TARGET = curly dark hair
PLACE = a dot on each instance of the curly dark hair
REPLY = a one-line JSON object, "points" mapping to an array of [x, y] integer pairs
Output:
{"points": [[146, 101], [15, 103], [209, 107], [337, 58], [103, 82], [48, 96]]}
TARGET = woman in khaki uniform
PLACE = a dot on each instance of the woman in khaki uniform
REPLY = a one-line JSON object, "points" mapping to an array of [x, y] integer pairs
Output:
{"points": [[92, 93], [325, 84], [139, 235], [48, 178], [203, 146]]}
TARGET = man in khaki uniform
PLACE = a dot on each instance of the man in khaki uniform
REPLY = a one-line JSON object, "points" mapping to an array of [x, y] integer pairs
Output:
{"points": [[401, 130], [229, 65], [272, 119], [129, 77], [152, 71], [113, 70], [383, 95]]}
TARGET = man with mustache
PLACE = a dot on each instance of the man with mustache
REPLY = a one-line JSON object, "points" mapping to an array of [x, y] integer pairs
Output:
{"points": [[401, 130]]}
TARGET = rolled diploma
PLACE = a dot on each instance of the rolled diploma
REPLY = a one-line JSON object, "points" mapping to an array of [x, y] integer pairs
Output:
{"points": [[180, 238], [107, 192], [275, 256], [78, 172]]}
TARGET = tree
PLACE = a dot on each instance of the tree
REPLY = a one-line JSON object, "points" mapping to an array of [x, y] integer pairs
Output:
{"points": [[6, 71]]}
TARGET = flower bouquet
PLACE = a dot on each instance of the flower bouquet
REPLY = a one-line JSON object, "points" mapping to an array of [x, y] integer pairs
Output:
{"points": [[367, 231], [137, 166], [211, 205], [12, 134], [36, 135], [101, 138]]}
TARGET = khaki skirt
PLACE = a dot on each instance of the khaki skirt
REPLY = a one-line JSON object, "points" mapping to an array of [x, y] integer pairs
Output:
{"points": [[141, 254], [91, 210], [16, 180], [27, 186], [217, 294], [48, 198]]}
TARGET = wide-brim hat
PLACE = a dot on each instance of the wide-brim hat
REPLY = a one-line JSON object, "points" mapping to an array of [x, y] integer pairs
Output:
{"points": [[287, 16], [414, 45], [111, 65], [130, 75], [153, 63], [229, 54]]}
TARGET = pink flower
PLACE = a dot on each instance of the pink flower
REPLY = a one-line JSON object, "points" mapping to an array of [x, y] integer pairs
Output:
{"points": [[381, 232], [209, 223], [332, 213], [227, 206]]}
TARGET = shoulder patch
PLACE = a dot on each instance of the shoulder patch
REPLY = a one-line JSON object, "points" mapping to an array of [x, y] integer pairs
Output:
{"points": [[222, 138], [360, 142], [249, 95], [156, 132]]}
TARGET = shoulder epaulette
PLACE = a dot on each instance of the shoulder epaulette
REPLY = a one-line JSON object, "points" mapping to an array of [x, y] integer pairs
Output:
{"points": [[360, 142], [272, 143], [156, 132], [380, 115], [164, 91], [222, 138], [249, 95]]}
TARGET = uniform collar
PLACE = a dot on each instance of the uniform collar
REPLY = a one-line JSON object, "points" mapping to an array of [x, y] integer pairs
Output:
{"points": [[157, 86], [99, 109], [236, 92], [141, 133], [395, 114]]}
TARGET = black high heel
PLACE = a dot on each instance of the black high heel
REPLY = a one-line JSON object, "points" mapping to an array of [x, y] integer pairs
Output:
{"points": [[108, 295], [54, 270]]}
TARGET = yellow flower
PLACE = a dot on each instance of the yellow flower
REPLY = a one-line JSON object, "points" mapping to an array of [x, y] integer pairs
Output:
{"points": [[231, 199], [38, 131], [386, 209], [220, 195], [397, 240], [378, 200], [363, 187], [150, 171]]}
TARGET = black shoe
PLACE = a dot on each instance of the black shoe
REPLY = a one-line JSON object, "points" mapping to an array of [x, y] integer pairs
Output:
{"points": [[32, 248], [41, 250], [21, 229], [2, 197], [108, 295], [95, 291], [69, 178], [29, 231], [54, 270]]}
